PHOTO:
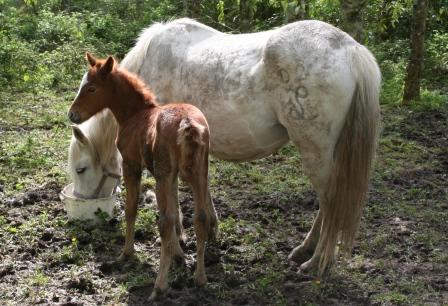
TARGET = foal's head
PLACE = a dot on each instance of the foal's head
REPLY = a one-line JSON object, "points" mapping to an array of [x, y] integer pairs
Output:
{"points": [[96, 90]]}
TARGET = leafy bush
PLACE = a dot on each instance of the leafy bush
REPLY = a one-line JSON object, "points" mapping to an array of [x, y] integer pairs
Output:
{"points": [[437, 54], [393, 80]]}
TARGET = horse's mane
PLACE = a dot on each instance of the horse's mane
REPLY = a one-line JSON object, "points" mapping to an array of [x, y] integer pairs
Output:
{"points": [[134, 59]]}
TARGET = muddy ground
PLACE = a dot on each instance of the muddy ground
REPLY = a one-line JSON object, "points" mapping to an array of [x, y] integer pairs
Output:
{"points": [[265, 208]]}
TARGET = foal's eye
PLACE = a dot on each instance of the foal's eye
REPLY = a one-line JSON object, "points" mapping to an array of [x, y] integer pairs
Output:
{"points": [[91, 89], [80, 170]]}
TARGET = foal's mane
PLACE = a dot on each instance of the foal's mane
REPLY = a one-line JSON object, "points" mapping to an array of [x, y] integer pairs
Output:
{"points": [[123, 77], [134, 82]]}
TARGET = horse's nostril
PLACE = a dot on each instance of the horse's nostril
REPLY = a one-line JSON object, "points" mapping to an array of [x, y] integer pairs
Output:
{"points": [[74, 117]]}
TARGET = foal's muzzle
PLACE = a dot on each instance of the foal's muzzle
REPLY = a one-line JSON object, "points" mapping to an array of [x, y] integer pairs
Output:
{"points": [[74, 117]]}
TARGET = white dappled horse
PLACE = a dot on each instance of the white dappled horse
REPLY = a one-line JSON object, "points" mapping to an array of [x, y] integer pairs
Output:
{"points": [[306, 82]]}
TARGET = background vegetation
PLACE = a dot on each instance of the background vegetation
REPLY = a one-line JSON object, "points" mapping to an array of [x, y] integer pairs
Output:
{"points": [[265, 206]]}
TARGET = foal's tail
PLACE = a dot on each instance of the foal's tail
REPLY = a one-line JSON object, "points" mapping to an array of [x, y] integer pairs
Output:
{"points": [[353, 157], [191, 136]]}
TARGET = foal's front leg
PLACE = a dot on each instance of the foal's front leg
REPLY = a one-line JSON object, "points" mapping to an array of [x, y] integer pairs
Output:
{"points": [[132, 177]]}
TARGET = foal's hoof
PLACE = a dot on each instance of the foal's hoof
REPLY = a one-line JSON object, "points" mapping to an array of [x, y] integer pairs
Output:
{"points": [[300, 255], [156, 294], [180, 261], [200, 280], [126, 257]]}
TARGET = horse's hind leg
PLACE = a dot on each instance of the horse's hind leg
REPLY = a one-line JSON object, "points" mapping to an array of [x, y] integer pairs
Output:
{"points": [[317, 163], [305, 250], [316, 149]]}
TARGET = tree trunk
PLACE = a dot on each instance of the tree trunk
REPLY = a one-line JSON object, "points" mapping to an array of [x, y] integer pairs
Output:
{"points": [[352, 18], [304, 10], [246, 15], [415, 65], [192, 8]]}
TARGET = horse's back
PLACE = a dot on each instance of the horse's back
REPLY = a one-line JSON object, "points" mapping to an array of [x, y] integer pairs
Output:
{"points": [[254, 88]]}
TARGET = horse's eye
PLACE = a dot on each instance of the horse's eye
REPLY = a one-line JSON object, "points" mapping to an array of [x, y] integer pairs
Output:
{"points": [[91, 89], [80, 170]]}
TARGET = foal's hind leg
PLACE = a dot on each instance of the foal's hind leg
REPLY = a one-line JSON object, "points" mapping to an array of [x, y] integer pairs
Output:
{"points": [[205, 219], [179, 227], [167, 227]]}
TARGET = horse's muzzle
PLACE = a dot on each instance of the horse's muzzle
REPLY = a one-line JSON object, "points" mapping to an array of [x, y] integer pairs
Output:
{"points": [[74, 117]]}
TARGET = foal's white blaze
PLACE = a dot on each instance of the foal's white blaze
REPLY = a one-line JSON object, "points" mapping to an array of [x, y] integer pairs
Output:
{"points": [[83, 82]]}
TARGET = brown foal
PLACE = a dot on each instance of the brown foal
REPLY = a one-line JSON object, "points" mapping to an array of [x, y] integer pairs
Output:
{"points": [[168, 140]]}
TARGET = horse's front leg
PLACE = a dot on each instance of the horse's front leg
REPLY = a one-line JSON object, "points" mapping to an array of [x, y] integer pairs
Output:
{"points": [[132, 177]]}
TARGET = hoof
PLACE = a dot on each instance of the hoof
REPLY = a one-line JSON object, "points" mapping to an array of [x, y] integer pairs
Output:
{"points": [[182, 238], [179, 261], [126, 257], [300, 255], [311, 265], [200, 280], [157, 294]]}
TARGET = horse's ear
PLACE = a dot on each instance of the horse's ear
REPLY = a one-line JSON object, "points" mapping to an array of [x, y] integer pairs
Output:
{"points": [[79, 135], [108, 66], [91, 59]]}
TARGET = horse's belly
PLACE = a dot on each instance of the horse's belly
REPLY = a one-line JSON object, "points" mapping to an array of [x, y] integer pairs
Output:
{"points": [[237, 140]]}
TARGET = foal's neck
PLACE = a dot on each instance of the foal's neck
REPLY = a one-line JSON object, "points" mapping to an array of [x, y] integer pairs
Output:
{"points": [[131, 97]]}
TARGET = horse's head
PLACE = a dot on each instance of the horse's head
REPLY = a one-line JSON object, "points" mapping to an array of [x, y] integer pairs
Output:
{"points": [[92, 177], [96, 90]]}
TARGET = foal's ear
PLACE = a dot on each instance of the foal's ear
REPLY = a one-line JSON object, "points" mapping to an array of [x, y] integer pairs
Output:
{"points": [[91, 59], [79, 135], [108, 66]]}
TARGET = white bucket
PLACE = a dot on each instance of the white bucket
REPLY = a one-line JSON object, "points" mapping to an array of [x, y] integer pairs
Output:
{"points": [[95, 210]]}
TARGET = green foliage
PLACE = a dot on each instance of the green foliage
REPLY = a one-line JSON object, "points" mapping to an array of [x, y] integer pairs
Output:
{"points": [[393, 75], [437, 54]]}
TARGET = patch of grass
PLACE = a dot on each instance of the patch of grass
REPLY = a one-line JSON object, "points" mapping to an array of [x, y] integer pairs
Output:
{"points": [[267, 286], [395, 298], [430, 238], [263, 176], [72, 254], [145, 223], [430, 100], [38, 278], [138, 280], [30, 158]]}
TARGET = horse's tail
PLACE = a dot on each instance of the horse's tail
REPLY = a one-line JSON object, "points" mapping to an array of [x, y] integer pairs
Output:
{"points": [[134, 59], [353, 157], [191, 136]]}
